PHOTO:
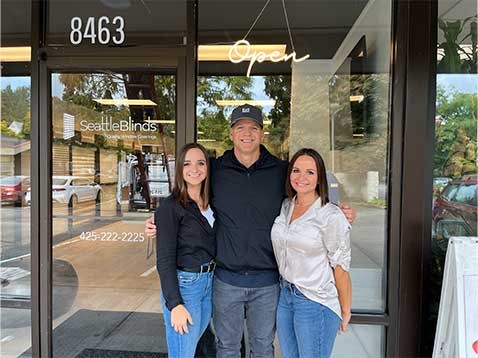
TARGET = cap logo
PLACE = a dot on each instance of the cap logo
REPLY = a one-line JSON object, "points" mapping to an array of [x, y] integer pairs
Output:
{"points": [[246, 110]]}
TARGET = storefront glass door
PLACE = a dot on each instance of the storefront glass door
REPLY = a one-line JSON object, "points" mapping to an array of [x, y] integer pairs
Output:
{"points": [[113, 149]]}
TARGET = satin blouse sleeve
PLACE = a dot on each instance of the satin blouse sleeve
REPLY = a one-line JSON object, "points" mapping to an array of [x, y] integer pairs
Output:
{"points": [[337, 238]]}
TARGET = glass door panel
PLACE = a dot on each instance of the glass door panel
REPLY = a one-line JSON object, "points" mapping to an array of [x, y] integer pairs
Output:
{"points": [[113, 163], [15, 248]]}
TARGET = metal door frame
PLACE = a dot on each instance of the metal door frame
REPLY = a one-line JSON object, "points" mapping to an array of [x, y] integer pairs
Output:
{"points": [[46, 60]]}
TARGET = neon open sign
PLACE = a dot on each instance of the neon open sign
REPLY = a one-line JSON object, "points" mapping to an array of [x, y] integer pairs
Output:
{"points": [[241, 51]]}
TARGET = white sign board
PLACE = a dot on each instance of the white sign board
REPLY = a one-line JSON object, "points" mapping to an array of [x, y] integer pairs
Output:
{"points": [[457, 327]]}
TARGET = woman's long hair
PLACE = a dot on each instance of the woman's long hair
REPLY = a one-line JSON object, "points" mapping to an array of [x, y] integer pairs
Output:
{"points": [[322, 188], [180, 186]]}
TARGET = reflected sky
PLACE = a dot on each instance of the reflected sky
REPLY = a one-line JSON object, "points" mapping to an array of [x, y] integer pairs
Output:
{"points": [[466, 83]]}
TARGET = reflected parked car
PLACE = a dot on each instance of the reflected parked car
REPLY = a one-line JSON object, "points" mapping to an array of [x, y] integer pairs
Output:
{"points": [[455, 209], [439, 183], [14, 189], [72, 190]]}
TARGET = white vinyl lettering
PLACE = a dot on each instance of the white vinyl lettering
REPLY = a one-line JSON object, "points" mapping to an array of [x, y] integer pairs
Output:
{"points": [[103, 32], [90, 30], [75, 34], [97, 31], [119, 30]]}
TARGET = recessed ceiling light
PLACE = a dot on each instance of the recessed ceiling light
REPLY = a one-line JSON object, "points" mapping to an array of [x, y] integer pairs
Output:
{"points": [[126, 102], [239, 102]]}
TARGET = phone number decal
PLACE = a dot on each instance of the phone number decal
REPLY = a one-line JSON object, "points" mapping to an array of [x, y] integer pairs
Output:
{"points": [[112, 236]]}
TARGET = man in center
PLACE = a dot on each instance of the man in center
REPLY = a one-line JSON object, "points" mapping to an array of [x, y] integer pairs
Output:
{"points": [[248, 188]]}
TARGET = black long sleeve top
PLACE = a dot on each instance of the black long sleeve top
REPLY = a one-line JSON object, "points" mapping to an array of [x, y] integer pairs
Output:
{"points": [[184, 239], [246, 200]]}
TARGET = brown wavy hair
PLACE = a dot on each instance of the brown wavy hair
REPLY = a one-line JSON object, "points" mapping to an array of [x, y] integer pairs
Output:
{"points": [[322, 188], [180, 186]]}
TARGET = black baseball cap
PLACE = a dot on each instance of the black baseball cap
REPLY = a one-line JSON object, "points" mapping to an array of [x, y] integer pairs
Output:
{"points": [[247, 111]]}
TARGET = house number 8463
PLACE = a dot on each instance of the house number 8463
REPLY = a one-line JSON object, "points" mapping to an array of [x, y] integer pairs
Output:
{"points": [[97, 30]]}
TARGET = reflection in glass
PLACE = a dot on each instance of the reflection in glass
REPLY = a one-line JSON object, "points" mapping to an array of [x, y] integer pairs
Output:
{"points": [[336, 102], [271, 93], [363, 340], [114, 152], [454, 167], [341, 108], [15, 293]]}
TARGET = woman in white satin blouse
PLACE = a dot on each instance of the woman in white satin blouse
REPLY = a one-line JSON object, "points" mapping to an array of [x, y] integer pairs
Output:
{"points": [[311, 240]]}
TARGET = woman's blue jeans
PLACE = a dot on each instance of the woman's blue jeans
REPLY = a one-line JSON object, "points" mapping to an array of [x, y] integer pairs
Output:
{"points": [[196, 291], [306, 329]]}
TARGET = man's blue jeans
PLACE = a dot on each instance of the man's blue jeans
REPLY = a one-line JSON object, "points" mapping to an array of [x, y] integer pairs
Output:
{"points": [[305, 328], [196, 291], [259, 304]]}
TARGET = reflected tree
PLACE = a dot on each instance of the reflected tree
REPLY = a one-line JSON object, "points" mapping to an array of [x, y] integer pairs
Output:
{"points": [[455, 133], [83, 88], [15, 108], [212, 119], [278, 88]]}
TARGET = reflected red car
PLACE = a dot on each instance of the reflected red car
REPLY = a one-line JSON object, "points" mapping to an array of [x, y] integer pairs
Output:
{"points": [[456, 206], [13, 189]]}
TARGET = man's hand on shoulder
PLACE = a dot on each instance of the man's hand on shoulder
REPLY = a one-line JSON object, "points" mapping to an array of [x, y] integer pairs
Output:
{"points": [[150, 227], [349, 212]]}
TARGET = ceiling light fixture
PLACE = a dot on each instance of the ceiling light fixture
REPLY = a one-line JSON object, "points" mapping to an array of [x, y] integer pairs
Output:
{"points": [[15, 54], [162, 121], [358, 98], [240, 102], [126, 102]]}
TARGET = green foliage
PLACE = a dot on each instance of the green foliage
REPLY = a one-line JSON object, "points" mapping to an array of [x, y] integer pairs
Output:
{"points": [[15, 104], [278, 88], [212, 88], [5, 130], [378, 202], [165, 88], [26, 126], [83, 88], [213, 121], [213, 125], [455, 59], [458, 131]]}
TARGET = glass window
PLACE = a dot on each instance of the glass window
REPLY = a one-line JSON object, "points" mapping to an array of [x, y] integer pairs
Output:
{"points": [[109, 23], [466, 195], [365, 341], [450, 191], [15, 250], [455, 141], [58, 181], [336, 101], [272, 93], [114, 153]]}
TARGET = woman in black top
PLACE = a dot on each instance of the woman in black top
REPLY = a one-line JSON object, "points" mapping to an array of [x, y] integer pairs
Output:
{"points": [[185, 252]]}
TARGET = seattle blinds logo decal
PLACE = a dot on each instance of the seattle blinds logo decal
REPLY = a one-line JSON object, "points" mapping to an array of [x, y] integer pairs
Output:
{"points": [[108, 125], [68, 126]]}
